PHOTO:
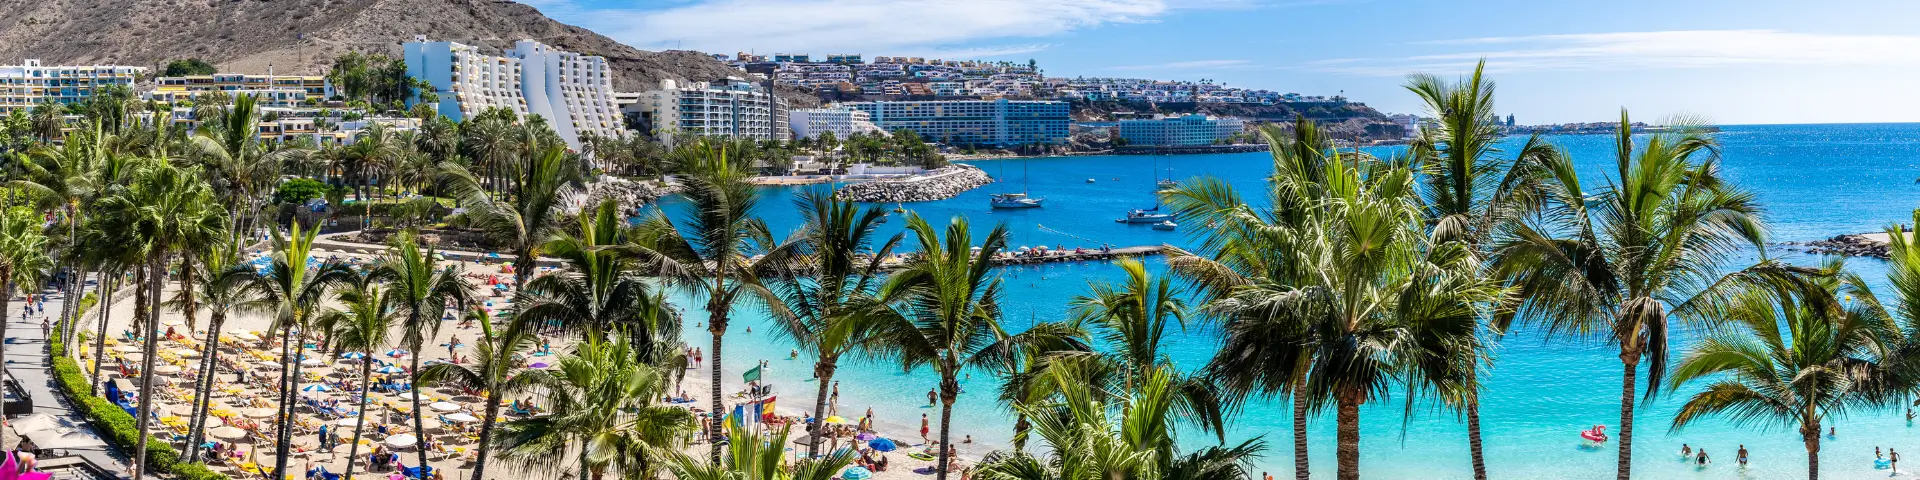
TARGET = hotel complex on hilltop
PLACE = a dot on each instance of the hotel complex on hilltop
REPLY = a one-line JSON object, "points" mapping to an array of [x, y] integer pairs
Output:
{"points": [[731, 108], [573, 92], [994, 123], [25, 85]]}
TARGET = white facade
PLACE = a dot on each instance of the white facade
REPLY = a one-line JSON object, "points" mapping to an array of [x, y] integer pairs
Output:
{"points": [[733, 108], [29, 83], [573, 92], [1180, 131], [842, 121]]}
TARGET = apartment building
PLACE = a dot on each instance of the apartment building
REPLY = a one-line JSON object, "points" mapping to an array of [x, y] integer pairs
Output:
{"points": [[1179, 131], [573, 92], [29, 83], [733, 108], [312, 86], [996, 123], [841, 121]]}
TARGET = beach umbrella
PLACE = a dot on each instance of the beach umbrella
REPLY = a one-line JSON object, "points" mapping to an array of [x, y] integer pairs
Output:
{"points": [[174, 322], [436, 361], [312, 362], [396, 353], [214, 422], [316, 387], [347, 422], [865, 436], [247, 336], [837, 420], [856, 473], [261, 412], [444, 406], [539, 365], [389, 369], [428, 423], [185, 352], [228, 433], [405, 396], [402, 440], [353, 355], [167, 369], [461, 418], [882, 445], [127, 349]]}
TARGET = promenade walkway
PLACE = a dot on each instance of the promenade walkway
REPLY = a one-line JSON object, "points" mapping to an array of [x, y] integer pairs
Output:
{"points": [[28, 363]]}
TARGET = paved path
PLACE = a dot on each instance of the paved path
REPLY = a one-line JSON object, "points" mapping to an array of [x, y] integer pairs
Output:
{"points": [[28, 363]]}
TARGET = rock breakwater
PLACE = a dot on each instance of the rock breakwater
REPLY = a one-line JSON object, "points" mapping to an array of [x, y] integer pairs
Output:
{"points": [[1852, 245], [626, 193], [938, 184]]}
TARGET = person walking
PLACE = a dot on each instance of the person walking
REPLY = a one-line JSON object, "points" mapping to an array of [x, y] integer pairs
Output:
{"points": [[924, 429], [1741, 456], [1893, 458]]}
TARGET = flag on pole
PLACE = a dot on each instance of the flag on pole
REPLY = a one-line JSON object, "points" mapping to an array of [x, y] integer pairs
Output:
{"points": [[763, 409], [752, 375]]}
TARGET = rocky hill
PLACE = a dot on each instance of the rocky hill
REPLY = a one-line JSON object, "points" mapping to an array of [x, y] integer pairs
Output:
{"points": [[302, 36]]}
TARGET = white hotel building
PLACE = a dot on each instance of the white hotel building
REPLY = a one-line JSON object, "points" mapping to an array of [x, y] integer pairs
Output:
{"points": [[29, 83], [841, 121], [733, 108], [1179, 131], [573, 92]]}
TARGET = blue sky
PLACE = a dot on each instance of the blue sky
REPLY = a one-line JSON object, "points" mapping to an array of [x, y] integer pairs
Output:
{"points": [[1733, 62]]}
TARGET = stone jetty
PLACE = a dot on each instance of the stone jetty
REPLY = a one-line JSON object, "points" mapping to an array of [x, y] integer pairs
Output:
{"points": [[626, 193], [937, 184]]}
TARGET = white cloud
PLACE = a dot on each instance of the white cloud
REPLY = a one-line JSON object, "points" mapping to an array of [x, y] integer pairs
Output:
{"points": [[1188, 65], [1641, 50], [892, 27]]}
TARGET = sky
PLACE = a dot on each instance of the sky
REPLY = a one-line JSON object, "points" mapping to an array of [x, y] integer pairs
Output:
{"points": [[1730, 62]]}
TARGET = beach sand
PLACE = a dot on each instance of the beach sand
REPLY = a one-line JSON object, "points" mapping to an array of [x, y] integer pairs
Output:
{"points": [[798, 398]]}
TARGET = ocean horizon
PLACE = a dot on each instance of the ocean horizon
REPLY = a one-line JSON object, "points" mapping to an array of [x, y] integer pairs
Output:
{"points": [[1814, 180]]}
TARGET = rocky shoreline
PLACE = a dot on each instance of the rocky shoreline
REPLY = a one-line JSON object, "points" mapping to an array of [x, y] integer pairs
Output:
{"points": [[626, 193], [1851, 245], [938, 184]]}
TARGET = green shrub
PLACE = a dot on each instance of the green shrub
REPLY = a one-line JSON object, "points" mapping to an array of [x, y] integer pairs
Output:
{"points": [[118, 425], [300, 190]]}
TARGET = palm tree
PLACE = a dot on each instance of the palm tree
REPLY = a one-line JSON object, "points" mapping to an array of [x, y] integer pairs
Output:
{"points": [[943, 311], [1131, 318], [493, 365], [602, 413], [1625, 261], [1470, 193], [752, 458], [165, 208], [1131, 437], [226, 287], [23, 258], [246, 167], [362, 326], [296, 290], [1791, 358], [529, 213], [1247, 264], [419, 293], [710, 249], [595, 295], [836, 266]]}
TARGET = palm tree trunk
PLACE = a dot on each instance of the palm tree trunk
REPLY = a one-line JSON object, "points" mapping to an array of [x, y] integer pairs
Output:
{"points": [[187, 306], [824, 371], [419, 421], [360, 425], [1631, 365], [1300, 471], [949, 391], [203, 389], [716, 325], [147, 299], [100, 335], [1473, 423], [289, 386], [1347, 451], [486, 433], [1812, 438]]}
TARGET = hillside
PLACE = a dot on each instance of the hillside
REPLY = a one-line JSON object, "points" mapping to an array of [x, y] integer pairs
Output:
{"points": [[247, 36]]}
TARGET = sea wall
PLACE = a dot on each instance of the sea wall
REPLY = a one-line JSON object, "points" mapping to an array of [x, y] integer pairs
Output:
{"points": [[938, 184]]}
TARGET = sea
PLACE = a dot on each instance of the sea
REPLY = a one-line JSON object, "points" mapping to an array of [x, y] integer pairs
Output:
{"points": [[1815, 181]]}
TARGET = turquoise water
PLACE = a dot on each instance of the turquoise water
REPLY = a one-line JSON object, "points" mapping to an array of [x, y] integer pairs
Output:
{"points": [[1815, 180]]}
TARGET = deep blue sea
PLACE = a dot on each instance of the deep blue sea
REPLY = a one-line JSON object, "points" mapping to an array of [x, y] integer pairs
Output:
{"points": [[1816, 181]]}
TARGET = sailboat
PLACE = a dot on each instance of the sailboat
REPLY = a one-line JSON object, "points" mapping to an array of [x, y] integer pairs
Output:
{"points": [[1162, 184], [1017, 200]]}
